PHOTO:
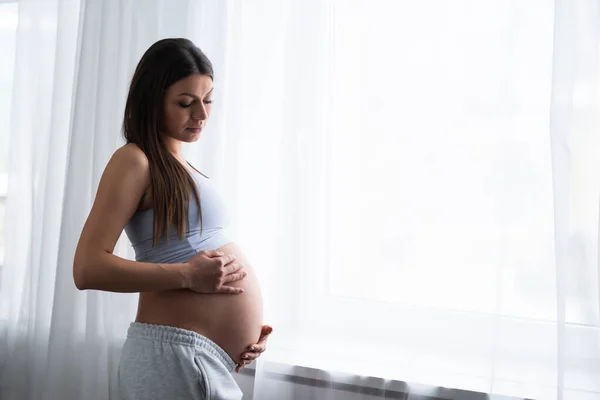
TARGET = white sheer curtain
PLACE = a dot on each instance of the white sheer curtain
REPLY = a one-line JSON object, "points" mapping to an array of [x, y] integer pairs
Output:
{"points": [[417, 184], [73, 63]]}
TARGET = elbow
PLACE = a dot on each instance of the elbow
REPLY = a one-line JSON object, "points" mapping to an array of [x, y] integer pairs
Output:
{"points": [[80, 281], [80, 276]]}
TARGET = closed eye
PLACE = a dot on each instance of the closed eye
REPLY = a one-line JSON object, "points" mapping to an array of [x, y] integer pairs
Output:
{"points": [[183, 105]]}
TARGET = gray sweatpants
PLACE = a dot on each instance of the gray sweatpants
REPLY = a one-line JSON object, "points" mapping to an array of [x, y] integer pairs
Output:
{"points": [[163, 362]]}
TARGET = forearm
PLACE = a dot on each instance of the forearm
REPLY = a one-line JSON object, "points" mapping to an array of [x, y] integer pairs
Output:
{"points": [[108, 272]]}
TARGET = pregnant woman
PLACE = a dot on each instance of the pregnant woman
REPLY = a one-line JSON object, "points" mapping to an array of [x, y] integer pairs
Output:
{"points": [[199, 316]]}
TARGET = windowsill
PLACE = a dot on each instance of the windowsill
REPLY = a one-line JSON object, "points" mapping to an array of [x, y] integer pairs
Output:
{"points": [[476, 371], [371, 386]]}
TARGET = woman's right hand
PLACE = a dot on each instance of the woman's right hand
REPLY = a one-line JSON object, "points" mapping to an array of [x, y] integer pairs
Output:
{"points": [[210, 272]]}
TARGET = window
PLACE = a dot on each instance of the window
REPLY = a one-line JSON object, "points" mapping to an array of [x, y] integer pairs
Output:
{"points": [[445, 193], [8, 32], [434, 245]]}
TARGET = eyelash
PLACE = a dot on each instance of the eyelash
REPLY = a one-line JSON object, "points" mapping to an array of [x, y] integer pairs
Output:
{"points": [[187, 105]]}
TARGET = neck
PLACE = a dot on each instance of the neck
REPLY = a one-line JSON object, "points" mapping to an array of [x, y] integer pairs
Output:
{"points": [[174, 147]]}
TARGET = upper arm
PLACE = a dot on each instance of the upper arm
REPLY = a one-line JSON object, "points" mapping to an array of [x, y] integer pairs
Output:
{"points": [[121, 187]]}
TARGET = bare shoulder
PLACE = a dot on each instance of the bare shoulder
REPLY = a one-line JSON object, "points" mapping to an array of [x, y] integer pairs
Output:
{"points": [[130, 156], [126, 176], [128, 163]]}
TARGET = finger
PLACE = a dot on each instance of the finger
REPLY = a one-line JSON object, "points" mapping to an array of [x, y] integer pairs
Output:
{"points": [[264, 335], [265, 331], [228, 259], [230, 290], [234, 277], [213, 253], [250, 356], [232, 268], [266, 328], [258, 348], [239, 367], [261, 346]]}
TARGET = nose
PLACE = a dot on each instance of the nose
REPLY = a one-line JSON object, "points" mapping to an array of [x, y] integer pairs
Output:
{"points": [[199, 113]]}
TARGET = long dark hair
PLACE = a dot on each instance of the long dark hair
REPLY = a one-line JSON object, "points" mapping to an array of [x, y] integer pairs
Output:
{"points": [[164, 63]]}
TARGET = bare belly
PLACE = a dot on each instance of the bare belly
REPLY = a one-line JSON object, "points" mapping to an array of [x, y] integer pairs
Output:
{"points": [[233, 321]]}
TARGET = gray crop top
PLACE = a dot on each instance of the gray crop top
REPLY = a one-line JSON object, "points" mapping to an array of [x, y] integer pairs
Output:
{"points": [[139, 229]]}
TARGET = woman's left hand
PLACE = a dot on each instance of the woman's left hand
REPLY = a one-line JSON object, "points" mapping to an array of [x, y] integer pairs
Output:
{"points": [[254, 351]]}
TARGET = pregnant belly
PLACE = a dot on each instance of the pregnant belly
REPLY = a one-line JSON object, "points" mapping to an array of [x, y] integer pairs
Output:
{"points": [[231, 321]]}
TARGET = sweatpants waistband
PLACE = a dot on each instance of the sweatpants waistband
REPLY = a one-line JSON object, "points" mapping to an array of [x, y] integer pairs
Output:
{"points": [[180, 336]]}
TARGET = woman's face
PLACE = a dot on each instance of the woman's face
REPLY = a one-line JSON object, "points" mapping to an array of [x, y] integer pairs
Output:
{"points": [[187, 107]]}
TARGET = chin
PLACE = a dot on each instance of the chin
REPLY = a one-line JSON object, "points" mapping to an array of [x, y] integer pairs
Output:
{"points": [[191, 138]]}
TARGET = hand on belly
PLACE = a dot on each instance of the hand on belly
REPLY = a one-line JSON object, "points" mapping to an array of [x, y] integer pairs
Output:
{"points": [[255, 350], [233, 321]]}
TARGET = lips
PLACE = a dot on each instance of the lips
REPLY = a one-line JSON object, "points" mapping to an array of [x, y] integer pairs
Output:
{"points": [[195, 130]]}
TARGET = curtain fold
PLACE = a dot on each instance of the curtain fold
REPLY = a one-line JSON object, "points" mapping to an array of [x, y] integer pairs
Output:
{"points": [[416, 184], [574, 123]]}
